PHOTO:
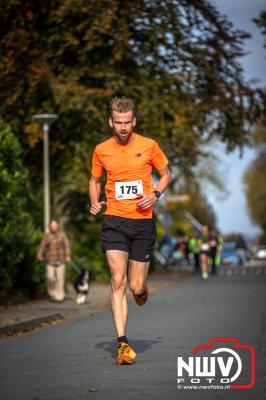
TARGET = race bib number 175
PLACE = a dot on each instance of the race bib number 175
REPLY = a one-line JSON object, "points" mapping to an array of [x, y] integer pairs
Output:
{"points": [[128, 190]]}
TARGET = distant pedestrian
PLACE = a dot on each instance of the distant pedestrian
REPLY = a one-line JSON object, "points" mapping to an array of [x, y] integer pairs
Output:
{"points": [[182, 247], [213, 242], [219, 250], [194, 245], [204, 251], [54, 250]]}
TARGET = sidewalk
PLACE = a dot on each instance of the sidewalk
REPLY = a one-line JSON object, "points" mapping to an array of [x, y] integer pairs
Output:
{"points": [[17, 319]]}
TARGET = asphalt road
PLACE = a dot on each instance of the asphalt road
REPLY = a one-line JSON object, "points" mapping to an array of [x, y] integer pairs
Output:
{"points": [[75, 360]]}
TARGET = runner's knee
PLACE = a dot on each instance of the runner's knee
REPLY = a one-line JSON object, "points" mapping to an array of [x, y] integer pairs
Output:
{"points": [[119, 282], [136, 287]]}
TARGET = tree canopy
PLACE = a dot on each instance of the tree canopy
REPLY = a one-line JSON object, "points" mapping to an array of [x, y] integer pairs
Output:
{"points": [[178, 59], [261, 22]]}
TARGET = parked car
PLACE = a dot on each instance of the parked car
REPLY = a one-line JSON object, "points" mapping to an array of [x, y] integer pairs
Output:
{"points": [[232, 255], [260, 253]]}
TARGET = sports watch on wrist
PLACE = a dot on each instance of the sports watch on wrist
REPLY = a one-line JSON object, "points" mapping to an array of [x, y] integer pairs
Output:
{"points": [[157, 194]]}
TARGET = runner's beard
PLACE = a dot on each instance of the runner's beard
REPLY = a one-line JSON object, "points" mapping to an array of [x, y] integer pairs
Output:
{"points": [[123, 136]]}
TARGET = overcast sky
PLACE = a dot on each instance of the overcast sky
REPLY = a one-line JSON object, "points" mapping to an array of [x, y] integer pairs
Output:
{"points": [[232, 213]]}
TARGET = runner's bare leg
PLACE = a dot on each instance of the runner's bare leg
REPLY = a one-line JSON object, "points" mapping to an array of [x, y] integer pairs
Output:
{"points": [[117, 261], [137, 275]]}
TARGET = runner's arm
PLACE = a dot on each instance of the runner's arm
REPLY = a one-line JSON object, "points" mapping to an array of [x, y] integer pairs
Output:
{"points": [[94, 189], [165, 179], [148, 200], [160, 162], [94, 193]]}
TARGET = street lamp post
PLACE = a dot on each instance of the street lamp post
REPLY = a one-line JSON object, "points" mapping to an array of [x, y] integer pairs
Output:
{"points": [[46, 120]]}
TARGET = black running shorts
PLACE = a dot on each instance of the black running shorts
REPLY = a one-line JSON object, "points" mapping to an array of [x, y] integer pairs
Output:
{"points": [[134, 236]]}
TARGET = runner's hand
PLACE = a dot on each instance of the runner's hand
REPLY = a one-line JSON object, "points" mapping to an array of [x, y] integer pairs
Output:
{"points": [[96, 207], [147, 200]]}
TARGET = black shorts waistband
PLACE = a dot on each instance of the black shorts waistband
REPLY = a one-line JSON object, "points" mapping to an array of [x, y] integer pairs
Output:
{"points": [[129, 219]]}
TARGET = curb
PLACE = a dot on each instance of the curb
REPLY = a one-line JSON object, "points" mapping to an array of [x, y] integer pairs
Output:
{"points": [[29, 325]]}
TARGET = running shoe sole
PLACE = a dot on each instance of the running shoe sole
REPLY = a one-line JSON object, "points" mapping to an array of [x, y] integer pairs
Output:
{"points": [[141, 299]]}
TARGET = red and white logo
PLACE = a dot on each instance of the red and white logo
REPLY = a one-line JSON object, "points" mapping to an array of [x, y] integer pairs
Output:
{"points": [[222, 363]]}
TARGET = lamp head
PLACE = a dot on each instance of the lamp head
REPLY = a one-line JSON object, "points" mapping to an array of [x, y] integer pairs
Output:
{"points": [[45, 118]]}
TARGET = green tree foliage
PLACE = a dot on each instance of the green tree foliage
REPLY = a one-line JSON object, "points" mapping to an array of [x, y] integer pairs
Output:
{"points": [[255, 188], [177, 58], [261, 22], [255, 179], [255, 176], [17, 234]]}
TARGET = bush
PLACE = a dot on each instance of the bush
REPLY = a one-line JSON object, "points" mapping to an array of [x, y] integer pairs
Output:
{"points": [[91, 258], [18, 238]]}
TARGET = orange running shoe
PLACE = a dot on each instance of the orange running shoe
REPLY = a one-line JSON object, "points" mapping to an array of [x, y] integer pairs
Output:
{"points": [[141, 299], [125, 355]]}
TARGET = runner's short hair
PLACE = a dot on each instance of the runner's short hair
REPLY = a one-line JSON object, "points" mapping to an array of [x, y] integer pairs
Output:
{"points": [[122, 104]]}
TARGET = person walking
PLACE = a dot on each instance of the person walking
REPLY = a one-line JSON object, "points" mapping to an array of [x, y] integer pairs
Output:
{"points": [[194, 245], [204, 252], [219, 250], [129, 226], [55, 250], [214, 242]]}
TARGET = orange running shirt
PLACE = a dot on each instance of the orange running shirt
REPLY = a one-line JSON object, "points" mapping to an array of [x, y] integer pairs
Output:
{"points": [[129, 170]]}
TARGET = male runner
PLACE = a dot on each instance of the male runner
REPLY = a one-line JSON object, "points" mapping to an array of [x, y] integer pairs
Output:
{"points": [[204, 251], [128, 229]]}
